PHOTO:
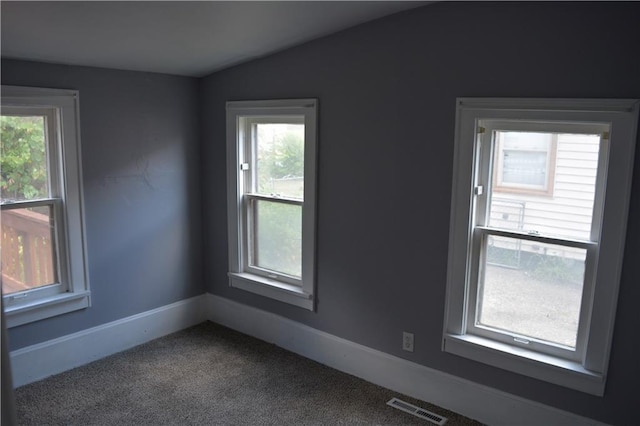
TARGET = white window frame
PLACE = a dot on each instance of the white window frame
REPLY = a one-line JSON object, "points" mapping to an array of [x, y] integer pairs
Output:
{"points": [[241, 115], [586, 369], [71, 292]]}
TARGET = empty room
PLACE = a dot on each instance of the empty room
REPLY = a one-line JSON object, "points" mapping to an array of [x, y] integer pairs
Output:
{"points": [[310, 212]]}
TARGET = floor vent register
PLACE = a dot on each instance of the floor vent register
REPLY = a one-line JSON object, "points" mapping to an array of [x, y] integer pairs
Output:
{"points": [[417, 411]]}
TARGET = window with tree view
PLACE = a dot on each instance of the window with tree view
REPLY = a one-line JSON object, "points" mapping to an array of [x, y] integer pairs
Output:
{"points": [[275, 194], [272, 185], [28, 199], [43, 269]]}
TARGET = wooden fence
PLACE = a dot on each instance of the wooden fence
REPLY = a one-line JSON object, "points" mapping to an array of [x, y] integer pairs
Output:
{"points": [[27, 254]]}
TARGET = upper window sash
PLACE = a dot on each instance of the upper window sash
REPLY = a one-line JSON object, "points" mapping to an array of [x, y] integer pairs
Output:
{"points": [[249, 155], [485, 165], [51, 115]]}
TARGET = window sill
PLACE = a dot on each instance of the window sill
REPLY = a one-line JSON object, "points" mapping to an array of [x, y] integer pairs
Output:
{"points": [[562, 372], [40, 309], [273, 289]]}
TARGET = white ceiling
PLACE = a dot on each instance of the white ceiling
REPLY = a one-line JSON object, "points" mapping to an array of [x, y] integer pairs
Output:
{"points": [[174, 37]]}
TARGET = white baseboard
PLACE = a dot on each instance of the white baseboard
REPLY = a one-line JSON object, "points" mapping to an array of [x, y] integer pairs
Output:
{"points": [[476, 401], [36, 362], [473, 400]]}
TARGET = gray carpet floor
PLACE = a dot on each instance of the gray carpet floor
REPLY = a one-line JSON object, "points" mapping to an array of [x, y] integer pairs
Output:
{"points": [[211, 375]]}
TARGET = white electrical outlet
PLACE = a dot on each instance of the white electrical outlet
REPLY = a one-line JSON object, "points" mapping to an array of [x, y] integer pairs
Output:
{"points": [[407, 341]]}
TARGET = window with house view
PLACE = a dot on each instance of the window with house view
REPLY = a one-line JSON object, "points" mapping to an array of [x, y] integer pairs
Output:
{"points": [[43, 271], [538, 224], [271, 147]]}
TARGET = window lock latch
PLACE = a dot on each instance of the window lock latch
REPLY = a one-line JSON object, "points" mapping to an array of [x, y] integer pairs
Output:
{"points": [[478, 190], [19, 296], [244, 166]]}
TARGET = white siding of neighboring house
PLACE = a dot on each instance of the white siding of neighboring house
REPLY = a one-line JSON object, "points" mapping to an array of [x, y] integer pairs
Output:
{"points": [[566, 211]]}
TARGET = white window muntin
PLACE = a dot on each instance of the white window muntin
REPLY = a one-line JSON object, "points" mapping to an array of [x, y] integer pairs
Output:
{"points": [[586, 374], [61, 109], [240, 115]]}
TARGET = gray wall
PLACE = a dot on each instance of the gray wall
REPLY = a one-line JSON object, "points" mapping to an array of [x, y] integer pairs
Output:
{"points": [[387, 91], [140, 150], [387, 94]]}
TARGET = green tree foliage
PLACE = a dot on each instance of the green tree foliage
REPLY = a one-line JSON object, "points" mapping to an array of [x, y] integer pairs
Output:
{"points": [[23, 158], [280, 157], [287, 156]]}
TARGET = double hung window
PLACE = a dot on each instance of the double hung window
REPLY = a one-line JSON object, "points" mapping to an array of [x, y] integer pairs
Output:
{"points": [[43, 257], [271, 148], [541, 189]]}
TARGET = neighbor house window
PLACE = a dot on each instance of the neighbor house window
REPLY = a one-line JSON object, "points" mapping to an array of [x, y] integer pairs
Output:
{"points": [[533, 281], [525, 162], [43, 256], [271, 163]]}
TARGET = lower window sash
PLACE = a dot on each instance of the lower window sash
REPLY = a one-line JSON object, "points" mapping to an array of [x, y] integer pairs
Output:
{"points": [[274, 239], [530, 294]]}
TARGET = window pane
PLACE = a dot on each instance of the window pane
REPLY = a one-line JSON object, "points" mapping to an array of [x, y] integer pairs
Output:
{"points": [[523, 159], [280, 165], [23, 158], [277, 231], [524, 167], [532, 289], [566, 210], [27, 249]]}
